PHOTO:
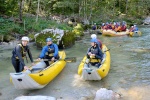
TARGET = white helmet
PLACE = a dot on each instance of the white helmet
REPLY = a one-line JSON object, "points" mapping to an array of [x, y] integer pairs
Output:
{"points": [[93, 36], [25, 38]]}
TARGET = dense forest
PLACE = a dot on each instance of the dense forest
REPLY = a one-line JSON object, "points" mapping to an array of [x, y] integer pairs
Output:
{"points": [[86, 11]]}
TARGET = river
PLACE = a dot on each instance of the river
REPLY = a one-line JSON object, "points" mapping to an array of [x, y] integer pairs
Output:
{"points": [[129, 74]]}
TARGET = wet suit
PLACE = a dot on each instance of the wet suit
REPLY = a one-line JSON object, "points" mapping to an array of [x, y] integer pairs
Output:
{"points": [[48, 52], [18, 55]]}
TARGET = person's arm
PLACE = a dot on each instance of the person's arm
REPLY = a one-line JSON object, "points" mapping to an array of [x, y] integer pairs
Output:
{"points": [[29, 53], [19, 55], [56, 50], [100, 54], [89, 50], [43, 52]]}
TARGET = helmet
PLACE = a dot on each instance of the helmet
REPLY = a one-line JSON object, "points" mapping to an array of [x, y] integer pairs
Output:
{"points": [[93, 36], [103, 24], [93, 40], [114, 23], [134, 25], [25, 38], [48, 39], [94, 23]]}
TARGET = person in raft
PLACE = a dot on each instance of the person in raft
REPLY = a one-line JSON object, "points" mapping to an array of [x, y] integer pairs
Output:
{"points": [[50, 51], [94, 27], [94, 36], [94, 52], [19, 54]]}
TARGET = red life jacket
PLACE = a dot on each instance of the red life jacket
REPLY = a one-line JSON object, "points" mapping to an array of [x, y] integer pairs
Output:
{"points": [[100, 43], [131, 29], [123, 28]]}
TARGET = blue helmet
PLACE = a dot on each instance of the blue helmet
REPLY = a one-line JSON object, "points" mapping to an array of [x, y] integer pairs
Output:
{"points": [[48, 39], [93, 40]]}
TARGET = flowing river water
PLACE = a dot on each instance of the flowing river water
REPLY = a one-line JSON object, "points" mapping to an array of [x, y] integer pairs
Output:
{"points": [[129, 74]]}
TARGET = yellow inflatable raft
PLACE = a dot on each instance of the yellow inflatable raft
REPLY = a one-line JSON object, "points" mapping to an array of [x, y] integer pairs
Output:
{"points": [[37, 79], [113, 33], [136, 33], [92, 72]]}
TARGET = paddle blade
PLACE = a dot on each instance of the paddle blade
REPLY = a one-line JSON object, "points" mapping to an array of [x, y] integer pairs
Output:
{"points": [[70, 59]]}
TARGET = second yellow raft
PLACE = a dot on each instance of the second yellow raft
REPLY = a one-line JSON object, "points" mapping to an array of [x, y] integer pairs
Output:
{"points": [[93, 73]]}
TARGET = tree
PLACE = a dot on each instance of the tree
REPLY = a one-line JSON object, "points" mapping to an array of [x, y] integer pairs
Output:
{"points": [[20, 9], [38, 10]]}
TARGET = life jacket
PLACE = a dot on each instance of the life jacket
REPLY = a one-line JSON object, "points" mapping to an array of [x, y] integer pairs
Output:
{"points": [[118, 29], [23, 52], [123, 28], [94, 51], [94, 60], [51, 51], [105, 27], [113, 27], [131, 29], [109, 26]]}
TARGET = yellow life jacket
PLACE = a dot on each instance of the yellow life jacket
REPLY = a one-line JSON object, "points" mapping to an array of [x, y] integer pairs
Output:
{"points": [[94, 60], [23, 52]]}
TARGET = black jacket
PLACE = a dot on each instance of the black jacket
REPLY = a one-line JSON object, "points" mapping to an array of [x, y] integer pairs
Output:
{"points": [[97, 51], [18, 53]]}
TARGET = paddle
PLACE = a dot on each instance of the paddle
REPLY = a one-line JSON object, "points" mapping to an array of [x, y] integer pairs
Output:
{"points": [[68, 59], [106, 50]]}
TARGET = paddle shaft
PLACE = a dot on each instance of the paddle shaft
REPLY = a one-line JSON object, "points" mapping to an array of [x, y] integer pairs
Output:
{"points": [[69, 59], [106, 50]]}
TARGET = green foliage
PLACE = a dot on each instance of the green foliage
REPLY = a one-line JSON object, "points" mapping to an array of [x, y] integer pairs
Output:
{"points": [[68, 39], [41, 38], [9, 7], [8, 26], [92, 10], [31, 36], [5, 26], [78, 30]]}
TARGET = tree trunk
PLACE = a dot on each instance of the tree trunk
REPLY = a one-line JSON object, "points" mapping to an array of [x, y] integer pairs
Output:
{"points": [[29, 6], [119, 5], [91, 5], [114, 8], [38, 10], [20, 10], [84, 7], [126, 6], [2, 38]]}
